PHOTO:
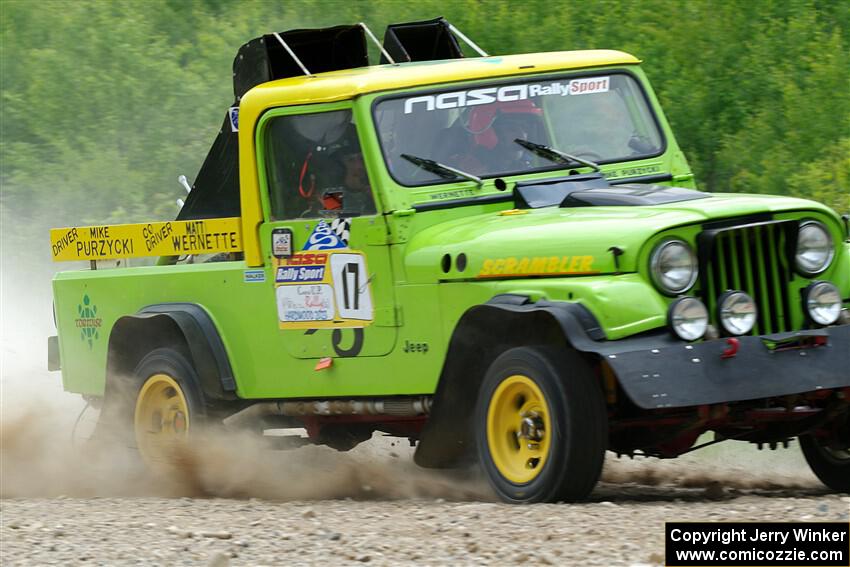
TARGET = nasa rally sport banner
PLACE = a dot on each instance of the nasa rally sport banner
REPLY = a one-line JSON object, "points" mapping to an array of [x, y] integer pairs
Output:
{"points": [[171, 238]]}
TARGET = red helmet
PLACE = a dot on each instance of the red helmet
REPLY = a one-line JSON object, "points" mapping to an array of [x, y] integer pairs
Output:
{"points": [[482, 118]]}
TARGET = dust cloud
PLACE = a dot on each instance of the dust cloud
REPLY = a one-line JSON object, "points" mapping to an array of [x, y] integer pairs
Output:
{"points": [[736, 466], [38, 460], [47, 450], [44, 450]]}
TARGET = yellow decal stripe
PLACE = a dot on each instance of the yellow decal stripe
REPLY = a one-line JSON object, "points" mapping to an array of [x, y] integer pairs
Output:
{"points": [[171, 238], [537, 266]]}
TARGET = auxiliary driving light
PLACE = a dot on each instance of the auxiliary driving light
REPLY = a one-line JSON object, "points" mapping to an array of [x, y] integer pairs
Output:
{"points": [[688, 318], [814, 248], [737, 312], [823, 302]]}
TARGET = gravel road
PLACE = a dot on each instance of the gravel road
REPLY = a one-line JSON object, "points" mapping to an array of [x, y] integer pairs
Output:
{"points": [[239, 505], [623, 526], [64, 503]]}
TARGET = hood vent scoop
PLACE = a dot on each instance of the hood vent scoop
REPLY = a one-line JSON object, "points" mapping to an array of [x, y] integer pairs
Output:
{"points": [[593, 190]]}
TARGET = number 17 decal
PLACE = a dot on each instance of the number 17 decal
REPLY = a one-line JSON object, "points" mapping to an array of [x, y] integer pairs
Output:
{"points": [[351, 286]]}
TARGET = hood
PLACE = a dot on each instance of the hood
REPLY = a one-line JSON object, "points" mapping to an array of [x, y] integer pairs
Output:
{"points": [[573, 241]]}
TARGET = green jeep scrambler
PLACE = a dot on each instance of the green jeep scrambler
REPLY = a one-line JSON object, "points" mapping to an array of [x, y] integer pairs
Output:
{"points": [[501, 258]]}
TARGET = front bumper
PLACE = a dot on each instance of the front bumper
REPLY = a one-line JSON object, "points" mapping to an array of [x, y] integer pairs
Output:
{"points": [[657, 371]]}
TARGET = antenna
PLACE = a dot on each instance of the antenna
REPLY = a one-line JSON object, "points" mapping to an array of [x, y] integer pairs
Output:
{"points": [[466, 40], [292, 54], [378, 43]]}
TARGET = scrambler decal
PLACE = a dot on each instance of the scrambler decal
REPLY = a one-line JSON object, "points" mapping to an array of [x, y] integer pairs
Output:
{"points": [[537, 266], [321, 290]]}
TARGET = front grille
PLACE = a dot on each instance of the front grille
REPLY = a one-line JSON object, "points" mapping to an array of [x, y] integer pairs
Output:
{"points": [[754, 258]]}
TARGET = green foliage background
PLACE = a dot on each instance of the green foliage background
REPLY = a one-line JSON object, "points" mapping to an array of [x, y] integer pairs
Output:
{"points": [[104, 102]]}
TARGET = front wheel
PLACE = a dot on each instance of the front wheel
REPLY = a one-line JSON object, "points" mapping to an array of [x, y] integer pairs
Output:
{"points": [[168, 406], [829, 457], [541, 426]]}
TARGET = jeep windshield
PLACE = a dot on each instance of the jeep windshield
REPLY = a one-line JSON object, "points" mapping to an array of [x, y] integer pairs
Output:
{"points": [[601, 119]]}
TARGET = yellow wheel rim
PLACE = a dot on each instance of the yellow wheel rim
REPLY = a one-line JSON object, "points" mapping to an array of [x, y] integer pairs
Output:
{"points": [[161, 419], [518, 429]]}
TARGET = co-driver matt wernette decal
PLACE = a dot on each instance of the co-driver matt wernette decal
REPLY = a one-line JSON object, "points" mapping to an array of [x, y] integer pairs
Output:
{"points": [[508, 93], [169, 238]]}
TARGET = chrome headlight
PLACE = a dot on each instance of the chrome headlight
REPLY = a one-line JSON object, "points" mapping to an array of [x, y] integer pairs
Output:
{"points": [[823, 302], [688, 318], [673, 266], [737, 312], [814, 248]]}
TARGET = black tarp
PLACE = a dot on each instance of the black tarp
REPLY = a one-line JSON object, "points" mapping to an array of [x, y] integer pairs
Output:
{"points": [[429, 40], [215, 192], [264, 59]]}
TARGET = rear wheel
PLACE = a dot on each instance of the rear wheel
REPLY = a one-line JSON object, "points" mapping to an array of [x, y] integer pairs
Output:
{"points": [[829, 456], [168, 407], [541, 426]]}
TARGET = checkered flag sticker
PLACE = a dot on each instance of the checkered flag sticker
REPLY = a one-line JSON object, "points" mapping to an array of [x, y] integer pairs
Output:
{"points": [[342, 229]]}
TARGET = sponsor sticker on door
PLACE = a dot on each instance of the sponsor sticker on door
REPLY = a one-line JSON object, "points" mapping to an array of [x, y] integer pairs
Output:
{"points": [[321, 290], [299, 303]]}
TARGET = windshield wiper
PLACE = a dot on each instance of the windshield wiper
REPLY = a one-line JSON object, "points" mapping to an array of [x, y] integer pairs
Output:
{"points": [[554, 155], [442, 170]]}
